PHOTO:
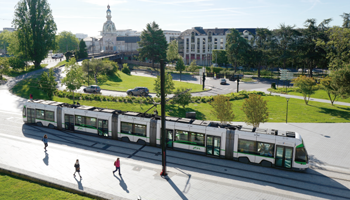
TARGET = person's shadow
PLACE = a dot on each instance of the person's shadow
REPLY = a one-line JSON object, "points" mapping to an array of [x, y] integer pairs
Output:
{"points": [[46, 159], [80, 185], [122, 183]]}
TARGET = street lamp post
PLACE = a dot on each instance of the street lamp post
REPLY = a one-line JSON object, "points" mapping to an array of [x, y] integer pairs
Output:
{"points": [[163, 132], [287, 98]]}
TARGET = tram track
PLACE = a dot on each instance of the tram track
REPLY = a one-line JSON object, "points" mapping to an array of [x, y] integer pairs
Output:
{"points": [[237, 175]]}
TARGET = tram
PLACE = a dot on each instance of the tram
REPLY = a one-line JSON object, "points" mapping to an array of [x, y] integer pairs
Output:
{"points": [[266, 147]]}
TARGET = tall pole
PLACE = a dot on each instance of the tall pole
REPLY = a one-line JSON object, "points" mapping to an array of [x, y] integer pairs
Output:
{"points": [[88, 72], [287, 111], [162, 94]]}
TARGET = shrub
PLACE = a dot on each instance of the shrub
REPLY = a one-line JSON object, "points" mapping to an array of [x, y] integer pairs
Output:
{"points": [[126, 69], [273, 86]]}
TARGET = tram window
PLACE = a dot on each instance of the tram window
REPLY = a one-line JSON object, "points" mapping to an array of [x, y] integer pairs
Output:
{"points": [[181, 136], [301, 155], [140, 130], [197, 139], [265, 149], [24, 112], [79, 120], [49, 115], [40, 114], [91, 122], [246, 146], [126, 127]]}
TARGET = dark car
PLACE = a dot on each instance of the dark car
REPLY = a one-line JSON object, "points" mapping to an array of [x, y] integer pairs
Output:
{"points": [[93, 88], [223, 82], [235, 77], [138, 91]]}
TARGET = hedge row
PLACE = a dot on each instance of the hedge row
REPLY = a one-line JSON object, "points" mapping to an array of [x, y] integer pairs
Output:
{"points": [[146, 100]]}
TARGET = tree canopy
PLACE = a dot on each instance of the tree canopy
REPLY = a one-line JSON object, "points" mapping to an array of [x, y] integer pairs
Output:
{"points": [[66, 41], [180, 66], [82, 49], [74, 76], [153, 44], [36, 29], [96, 67], [47, 83], [169, 85], [222, 108], [236, 47], [172, 51], [255, 108]]}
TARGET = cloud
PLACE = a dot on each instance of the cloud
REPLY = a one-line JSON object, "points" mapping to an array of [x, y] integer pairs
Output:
{"points": [[105, 2]]}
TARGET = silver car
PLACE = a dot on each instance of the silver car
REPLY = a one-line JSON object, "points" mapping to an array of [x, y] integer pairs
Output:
{"points": [[138, 91], [93, 88]]}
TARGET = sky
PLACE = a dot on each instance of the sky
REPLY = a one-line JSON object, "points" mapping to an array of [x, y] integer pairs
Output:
{"points": [[88, 16]]}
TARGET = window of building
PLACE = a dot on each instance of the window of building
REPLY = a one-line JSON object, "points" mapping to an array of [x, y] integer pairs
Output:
{"points": [[198, 45], [203, 45], [209, 37], [222, 43], [215, 43], [49, 115], [187, 45], [192, 37], [79, 120], [193, 47], [40, 114], [247, 146]]}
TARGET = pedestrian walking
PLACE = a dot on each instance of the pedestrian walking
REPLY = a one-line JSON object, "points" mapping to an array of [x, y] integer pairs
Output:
{"points": [[31, 97], [77, 168], [117, 166], [45, 140]]}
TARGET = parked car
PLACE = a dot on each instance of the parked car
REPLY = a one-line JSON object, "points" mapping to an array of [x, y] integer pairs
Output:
{"points": [[93, 88], [235, 77], [138, 91], [223, 82]]}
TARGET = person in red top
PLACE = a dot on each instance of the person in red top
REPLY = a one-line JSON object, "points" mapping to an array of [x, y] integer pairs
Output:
{"points": [[31, 97], [117, 166]]}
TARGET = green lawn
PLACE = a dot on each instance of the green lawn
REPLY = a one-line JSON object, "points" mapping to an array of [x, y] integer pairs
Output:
{"points": [[247, 80], [315, 112], [13, 188], [319, 94], [61, 63], [122, 82], [14, 73]]}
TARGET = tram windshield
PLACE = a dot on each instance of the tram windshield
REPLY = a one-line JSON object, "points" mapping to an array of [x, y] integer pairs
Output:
{"points": [[301, 155]]}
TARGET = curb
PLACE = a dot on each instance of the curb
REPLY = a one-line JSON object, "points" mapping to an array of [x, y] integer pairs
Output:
{"points": [[61, 185]]}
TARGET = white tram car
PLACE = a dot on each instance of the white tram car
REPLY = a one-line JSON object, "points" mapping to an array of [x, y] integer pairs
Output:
{"points": [[267, 147]]}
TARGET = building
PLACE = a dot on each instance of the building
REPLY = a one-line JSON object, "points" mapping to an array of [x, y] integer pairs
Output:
{"points": [[81, 36], [93, 44], [128, 32], [198, 43], [171, 35], [8, 29]]}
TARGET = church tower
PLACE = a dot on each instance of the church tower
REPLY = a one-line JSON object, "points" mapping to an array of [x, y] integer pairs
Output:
{"points": [[109, 33]]}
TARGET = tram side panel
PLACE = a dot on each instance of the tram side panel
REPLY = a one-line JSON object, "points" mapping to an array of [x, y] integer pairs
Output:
{"points": [[229, 144], [215, 141], [153, 132], [59, 118], [265, 147], [246, 149], [134, 129], [114, 126]]}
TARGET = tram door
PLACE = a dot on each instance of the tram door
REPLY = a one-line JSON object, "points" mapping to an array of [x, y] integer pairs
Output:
{"points": [[213, 145], [103, 127], [31, 115], [69, 122], [284, 157], [169, 138]]}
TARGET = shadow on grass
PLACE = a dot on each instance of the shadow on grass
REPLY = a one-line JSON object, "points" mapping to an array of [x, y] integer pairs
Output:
{"points": [[29, 86], [115, 77], [334, 112], [175, 111]]}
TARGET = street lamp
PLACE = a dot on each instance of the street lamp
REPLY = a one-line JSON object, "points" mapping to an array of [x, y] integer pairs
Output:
{"points": [[287, 98]]}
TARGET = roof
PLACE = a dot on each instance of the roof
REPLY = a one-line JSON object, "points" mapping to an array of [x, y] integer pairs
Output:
{"points": [[214, 31]]}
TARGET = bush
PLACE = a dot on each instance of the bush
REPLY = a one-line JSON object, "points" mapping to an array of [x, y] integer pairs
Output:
{"points": [[273, 86], [126, 69]]}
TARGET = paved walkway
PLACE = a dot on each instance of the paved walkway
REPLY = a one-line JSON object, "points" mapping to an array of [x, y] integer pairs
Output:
{"points": [[189, 176]]}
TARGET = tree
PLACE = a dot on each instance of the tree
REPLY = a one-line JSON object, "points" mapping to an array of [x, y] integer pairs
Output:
{"points": [[180, 66], [82, 49], [36, 29], [341, 78], [16, 63], [331, 88], [192, 67], [236, 47], [4, 66], [66, 41], [306, 85], [47, 83], [346, 20], [255, 109], [74, 76], [261, 47], [219, 57], [153, 44], [96, 67], [5, 39], [169, 85], [222, 108], [183, 99], [338, 47], [173, 51], [126, 69]]}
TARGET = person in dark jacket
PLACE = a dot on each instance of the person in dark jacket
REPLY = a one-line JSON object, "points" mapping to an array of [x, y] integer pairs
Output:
{"points": [[45, 140], [117, 166], [77, 168]]}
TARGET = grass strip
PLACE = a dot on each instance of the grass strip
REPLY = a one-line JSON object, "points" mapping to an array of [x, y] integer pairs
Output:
{"points": [[15, 188]]}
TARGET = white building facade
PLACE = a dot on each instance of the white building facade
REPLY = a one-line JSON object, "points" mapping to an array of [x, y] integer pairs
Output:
{"points": [[198, 43]]}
